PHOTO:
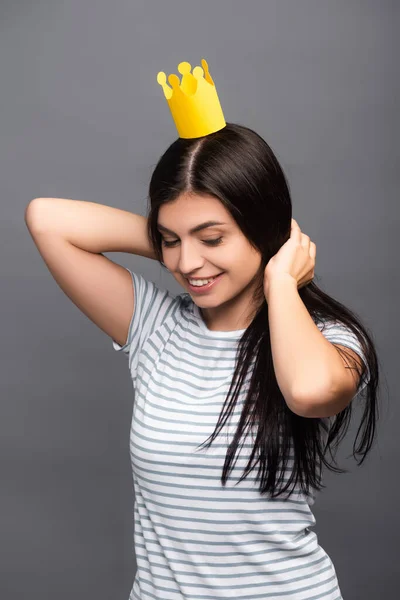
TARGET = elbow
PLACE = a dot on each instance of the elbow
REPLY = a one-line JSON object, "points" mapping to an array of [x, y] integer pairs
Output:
{"points": [[300, 405], [314, 405], [30, 210], [34, 212]]}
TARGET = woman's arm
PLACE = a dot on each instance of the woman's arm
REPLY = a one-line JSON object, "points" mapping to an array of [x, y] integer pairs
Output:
{"points": [[92, 227]]}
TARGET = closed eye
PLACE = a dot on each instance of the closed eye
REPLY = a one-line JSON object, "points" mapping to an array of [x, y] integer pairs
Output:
{"points": [[208, 242]]}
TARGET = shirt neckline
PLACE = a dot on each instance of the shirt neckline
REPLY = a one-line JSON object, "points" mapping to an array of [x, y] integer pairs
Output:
{"points": [[209, 332]]}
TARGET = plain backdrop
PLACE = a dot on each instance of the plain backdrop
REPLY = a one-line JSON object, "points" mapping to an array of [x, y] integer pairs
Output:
{"points": [[82, 117]]}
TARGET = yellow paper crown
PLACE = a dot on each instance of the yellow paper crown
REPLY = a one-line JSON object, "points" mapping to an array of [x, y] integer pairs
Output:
{"points": [[194, 102]]}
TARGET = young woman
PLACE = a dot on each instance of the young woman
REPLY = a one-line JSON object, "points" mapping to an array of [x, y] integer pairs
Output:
{"points": [[242, 384]]}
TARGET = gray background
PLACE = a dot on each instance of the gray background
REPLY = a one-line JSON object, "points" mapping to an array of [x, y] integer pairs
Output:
{"points": [[83, 117]]}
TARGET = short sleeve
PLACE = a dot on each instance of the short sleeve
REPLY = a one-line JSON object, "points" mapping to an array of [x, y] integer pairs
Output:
{"points": [[152, 307], [337, 333]]}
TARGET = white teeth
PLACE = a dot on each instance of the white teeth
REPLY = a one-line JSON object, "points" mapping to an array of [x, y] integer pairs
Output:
{"points": [[200, 282]]}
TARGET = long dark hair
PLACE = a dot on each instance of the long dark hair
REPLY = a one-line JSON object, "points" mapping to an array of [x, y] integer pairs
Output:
{"points": [[236, 166]]}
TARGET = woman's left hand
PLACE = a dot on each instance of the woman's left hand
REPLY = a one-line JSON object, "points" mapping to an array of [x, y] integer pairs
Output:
{"points": [[295, 259]]}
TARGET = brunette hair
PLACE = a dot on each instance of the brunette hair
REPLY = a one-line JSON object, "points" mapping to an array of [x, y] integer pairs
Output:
{"points": [[237, 166]]}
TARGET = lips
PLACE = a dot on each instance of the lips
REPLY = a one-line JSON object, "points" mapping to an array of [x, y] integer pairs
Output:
{"points": [[205, 278], [203, 289]]}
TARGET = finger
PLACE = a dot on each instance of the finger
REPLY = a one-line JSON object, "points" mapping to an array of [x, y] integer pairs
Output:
{"points": [[295, 224], [295, 231], [305, 241]]}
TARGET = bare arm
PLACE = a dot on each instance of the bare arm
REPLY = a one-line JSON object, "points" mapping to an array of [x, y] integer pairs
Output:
{"points": [[93, 227], [70, 236]]}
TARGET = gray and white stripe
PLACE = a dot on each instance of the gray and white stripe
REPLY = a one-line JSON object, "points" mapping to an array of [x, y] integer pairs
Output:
{"points": [[194, 538]]}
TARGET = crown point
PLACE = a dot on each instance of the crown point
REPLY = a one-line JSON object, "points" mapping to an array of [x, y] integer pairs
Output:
{"points": [[174, 80], [198, 72], [184, 68], [161, 78], [208, 77]]}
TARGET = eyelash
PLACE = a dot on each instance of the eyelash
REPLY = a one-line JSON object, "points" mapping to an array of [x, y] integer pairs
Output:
{"points": [[215, 242]]}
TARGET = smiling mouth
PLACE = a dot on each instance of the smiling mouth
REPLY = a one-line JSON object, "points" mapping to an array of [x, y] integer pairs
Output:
{"points": [[202, 288], [201, 278]]}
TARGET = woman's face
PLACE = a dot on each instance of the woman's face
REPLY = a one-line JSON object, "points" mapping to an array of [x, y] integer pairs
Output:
{"points": [[208, 252]]}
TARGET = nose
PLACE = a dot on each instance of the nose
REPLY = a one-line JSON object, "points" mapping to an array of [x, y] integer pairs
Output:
{"points": [[189, 260]]}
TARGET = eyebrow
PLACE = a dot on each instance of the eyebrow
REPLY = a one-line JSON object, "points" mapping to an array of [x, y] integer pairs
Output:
{"points": [[194, 229]]}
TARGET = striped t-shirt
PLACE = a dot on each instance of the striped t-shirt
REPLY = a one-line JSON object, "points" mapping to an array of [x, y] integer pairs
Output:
{"points": [[194, 538]]}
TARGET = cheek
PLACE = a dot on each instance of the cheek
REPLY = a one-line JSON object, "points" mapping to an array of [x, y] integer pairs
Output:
{"points": [[240, 255], [245, 260]]}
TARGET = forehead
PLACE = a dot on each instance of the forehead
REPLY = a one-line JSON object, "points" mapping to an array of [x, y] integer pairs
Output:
{"points": [[189, 210]]}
